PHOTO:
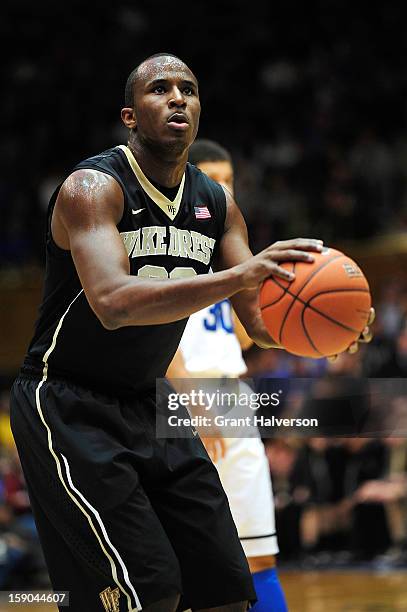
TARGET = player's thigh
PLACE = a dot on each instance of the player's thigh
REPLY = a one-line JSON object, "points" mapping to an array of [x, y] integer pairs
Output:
{"points": [[107, 527], [68, 572], [193, 508]]}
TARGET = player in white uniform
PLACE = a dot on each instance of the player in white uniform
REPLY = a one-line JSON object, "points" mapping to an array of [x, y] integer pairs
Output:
{"points": [[210, 348]]}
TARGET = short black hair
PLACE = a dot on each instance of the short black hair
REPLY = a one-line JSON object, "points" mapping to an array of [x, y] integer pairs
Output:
{"points": [[203, 150], [132, 78]]}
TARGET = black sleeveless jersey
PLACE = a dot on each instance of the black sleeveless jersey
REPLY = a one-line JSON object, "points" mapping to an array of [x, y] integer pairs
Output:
{"points": [[164, 239]]}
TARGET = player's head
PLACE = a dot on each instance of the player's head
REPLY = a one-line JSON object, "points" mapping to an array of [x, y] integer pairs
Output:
{"points": [[162, 102], [214, 160]]}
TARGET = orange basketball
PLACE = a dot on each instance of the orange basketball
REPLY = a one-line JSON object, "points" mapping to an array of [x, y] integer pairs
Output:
{"points": [[322, 311]]}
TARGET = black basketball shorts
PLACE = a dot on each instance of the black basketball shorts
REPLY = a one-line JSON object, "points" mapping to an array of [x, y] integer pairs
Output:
{"points": [[125, 519]]}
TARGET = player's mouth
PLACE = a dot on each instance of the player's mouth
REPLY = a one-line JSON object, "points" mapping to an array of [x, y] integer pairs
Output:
{"points": [[178, 121]]}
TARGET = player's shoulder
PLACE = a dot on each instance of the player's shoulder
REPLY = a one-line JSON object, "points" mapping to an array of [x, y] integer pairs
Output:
{"points": [[91, 182], [109, 155], [86, 196], [104, 171]]}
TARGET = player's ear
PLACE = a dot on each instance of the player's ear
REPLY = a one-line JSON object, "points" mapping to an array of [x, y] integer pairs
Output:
{"points": [[129, 117]]}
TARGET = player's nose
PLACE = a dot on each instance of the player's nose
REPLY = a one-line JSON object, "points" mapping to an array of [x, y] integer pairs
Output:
{"points": [[176, 98]]}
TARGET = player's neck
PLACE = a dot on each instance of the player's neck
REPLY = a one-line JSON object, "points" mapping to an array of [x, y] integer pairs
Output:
{"points": [[164, 166]]}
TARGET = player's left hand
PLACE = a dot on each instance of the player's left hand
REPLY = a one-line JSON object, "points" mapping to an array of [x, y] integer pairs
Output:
{"points": [[364, 337]]}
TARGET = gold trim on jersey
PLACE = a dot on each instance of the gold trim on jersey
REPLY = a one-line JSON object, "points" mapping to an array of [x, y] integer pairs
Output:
{"points": [[170, 208]]}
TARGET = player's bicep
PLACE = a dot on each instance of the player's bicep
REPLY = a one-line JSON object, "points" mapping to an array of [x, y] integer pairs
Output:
{"points": [[100, 260], [89, 206]]}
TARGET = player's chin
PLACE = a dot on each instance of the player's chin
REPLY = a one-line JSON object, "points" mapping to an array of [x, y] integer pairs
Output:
{"points": [[179, 140], [180, 135]]}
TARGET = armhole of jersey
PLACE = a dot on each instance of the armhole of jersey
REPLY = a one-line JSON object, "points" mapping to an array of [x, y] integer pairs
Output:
{"points": [[225, 205], [219, 197], [57, 250], [221, 203]]}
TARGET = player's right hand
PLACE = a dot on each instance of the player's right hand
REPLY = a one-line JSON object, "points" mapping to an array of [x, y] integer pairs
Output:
{"points": [[266, 263], [364, 338]]}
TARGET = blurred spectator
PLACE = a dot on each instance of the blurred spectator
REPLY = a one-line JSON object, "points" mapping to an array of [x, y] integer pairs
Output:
{"points": [[22, 563], [391, 491], [390, 310], [369, 534], [317, 126], [373, 165], [395, 363], [329, 498]]}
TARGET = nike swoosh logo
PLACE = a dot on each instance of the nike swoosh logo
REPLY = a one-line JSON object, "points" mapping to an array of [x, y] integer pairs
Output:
{"points": [[136, 212]]}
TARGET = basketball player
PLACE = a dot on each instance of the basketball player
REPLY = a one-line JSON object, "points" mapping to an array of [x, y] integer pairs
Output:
{"points": [[209, 348], [127, 520]]}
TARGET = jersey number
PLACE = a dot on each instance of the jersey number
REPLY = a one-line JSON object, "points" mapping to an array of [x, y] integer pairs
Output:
{"points": [[221, 316], [221, 312], [159, 272]]}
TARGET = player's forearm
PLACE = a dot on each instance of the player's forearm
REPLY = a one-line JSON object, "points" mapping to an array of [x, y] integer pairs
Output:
{"points": [[137, 301]]}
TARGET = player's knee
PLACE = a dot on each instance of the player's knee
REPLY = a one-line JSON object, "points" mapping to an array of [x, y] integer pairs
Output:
{"points": [[169, 604]]}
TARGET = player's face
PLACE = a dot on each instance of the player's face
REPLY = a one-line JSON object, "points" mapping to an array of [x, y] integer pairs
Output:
{"points": [[219, 171], [166, 102]]}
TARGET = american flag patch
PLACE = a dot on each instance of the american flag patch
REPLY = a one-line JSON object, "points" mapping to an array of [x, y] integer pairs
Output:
{"points": [[202, 212]]}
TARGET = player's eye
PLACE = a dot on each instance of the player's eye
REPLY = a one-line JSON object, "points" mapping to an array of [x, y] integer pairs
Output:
{"points": [[188, 91], [159, 89]]}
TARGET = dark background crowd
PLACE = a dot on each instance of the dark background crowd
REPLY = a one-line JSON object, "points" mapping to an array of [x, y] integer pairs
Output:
{"points": [[311, 100]]}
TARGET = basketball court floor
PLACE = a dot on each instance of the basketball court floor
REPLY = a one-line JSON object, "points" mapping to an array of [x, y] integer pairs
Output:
{"points": [[345, 591], [322, 592]]}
